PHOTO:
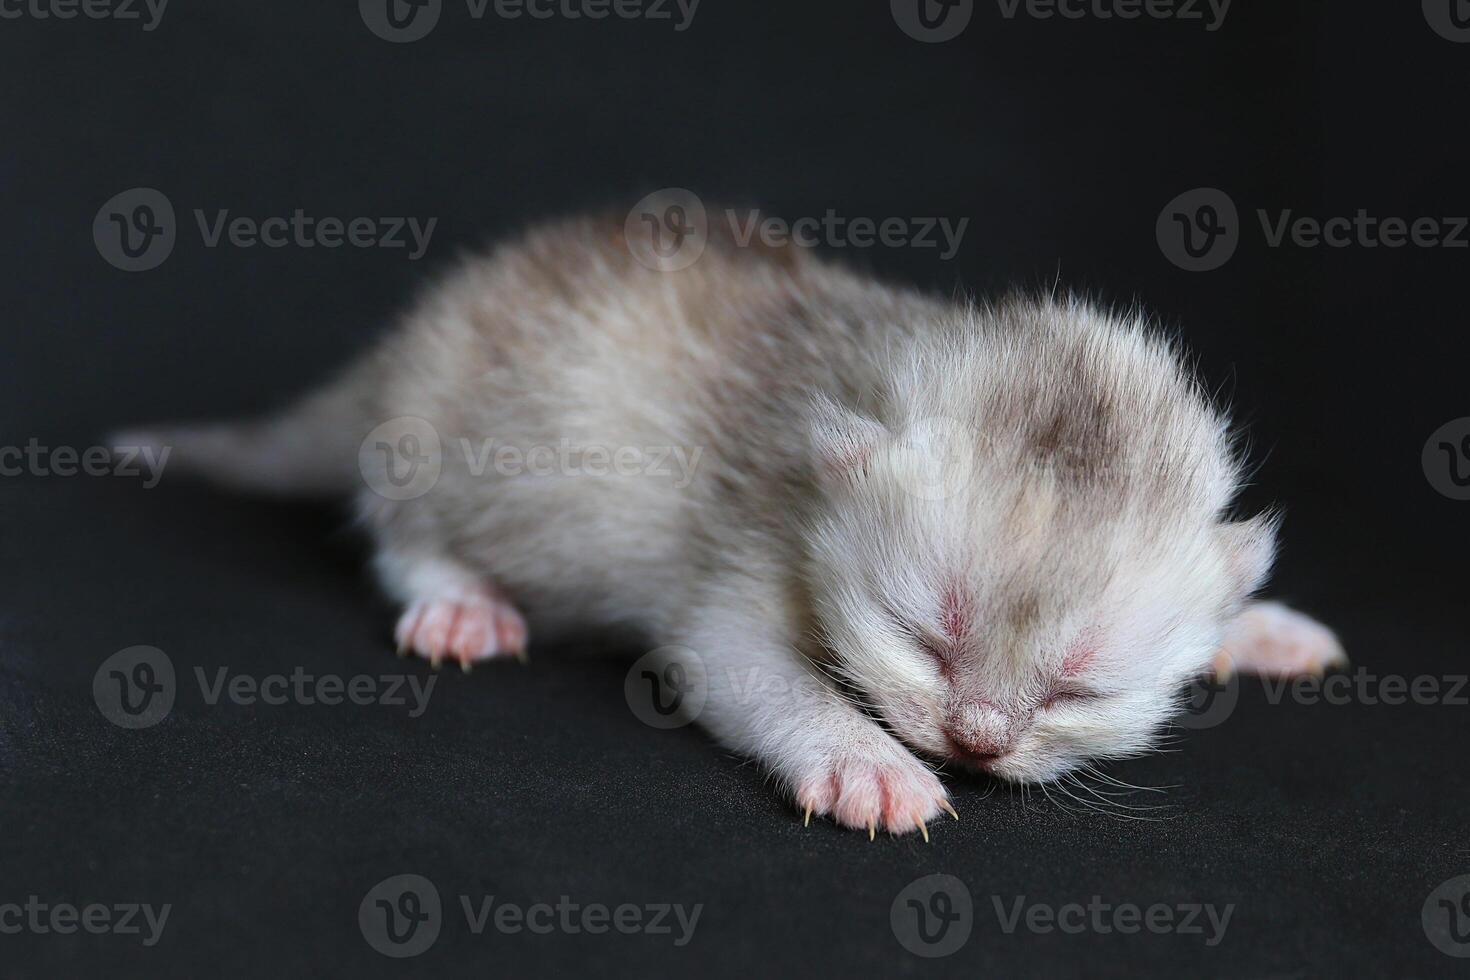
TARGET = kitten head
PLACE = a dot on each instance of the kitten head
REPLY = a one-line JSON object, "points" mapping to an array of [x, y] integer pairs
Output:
{"points": [[1018, 553]]}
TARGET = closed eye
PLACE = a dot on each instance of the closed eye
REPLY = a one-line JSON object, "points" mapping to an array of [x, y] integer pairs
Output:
{"points": [[933, 646], [1069, 695]]}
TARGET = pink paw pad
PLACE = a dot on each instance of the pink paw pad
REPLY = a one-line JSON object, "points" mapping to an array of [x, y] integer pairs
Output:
{"points": [[466, 628], [871, 795]]}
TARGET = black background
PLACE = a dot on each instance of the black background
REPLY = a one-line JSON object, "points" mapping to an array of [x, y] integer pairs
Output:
{"points": [[1327, 826]]}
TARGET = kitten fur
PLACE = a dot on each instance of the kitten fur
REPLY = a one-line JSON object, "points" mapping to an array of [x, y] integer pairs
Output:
{"points": [[904, 530]]}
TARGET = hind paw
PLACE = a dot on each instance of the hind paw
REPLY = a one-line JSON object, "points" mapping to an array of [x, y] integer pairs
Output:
{"points": [[1274, 641], [465, 628]]}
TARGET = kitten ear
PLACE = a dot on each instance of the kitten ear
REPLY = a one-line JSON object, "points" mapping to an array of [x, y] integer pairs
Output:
{"points": [[841, 438], [1250, 549]]}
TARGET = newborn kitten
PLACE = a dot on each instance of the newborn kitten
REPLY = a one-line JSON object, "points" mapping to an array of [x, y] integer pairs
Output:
{"points": [[936, 530]]}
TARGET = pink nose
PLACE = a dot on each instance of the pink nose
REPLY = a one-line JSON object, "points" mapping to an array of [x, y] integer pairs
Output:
{"points": [[979, 733], [977, 748]]}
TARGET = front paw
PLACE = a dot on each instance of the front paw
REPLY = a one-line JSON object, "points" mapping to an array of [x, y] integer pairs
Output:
{"points": [[871, 784]]}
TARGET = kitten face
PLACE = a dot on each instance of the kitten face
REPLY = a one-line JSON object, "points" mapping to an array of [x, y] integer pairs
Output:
{"points": [[1018, 624]]}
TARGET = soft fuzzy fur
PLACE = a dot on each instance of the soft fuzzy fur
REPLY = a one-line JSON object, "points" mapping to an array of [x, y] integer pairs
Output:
{"points": [[995, 534]]}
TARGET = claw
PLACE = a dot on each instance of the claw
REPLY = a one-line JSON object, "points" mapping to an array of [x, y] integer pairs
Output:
{"points": [[436, 660], [402, 649], [871, 832], [521, 656], [944, 805], [466, 666], [806, 820], [922, 829]]}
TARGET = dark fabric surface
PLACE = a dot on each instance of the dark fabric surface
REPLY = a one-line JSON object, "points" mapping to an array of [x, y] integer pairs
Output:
{"points": [[1324, 826]]}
